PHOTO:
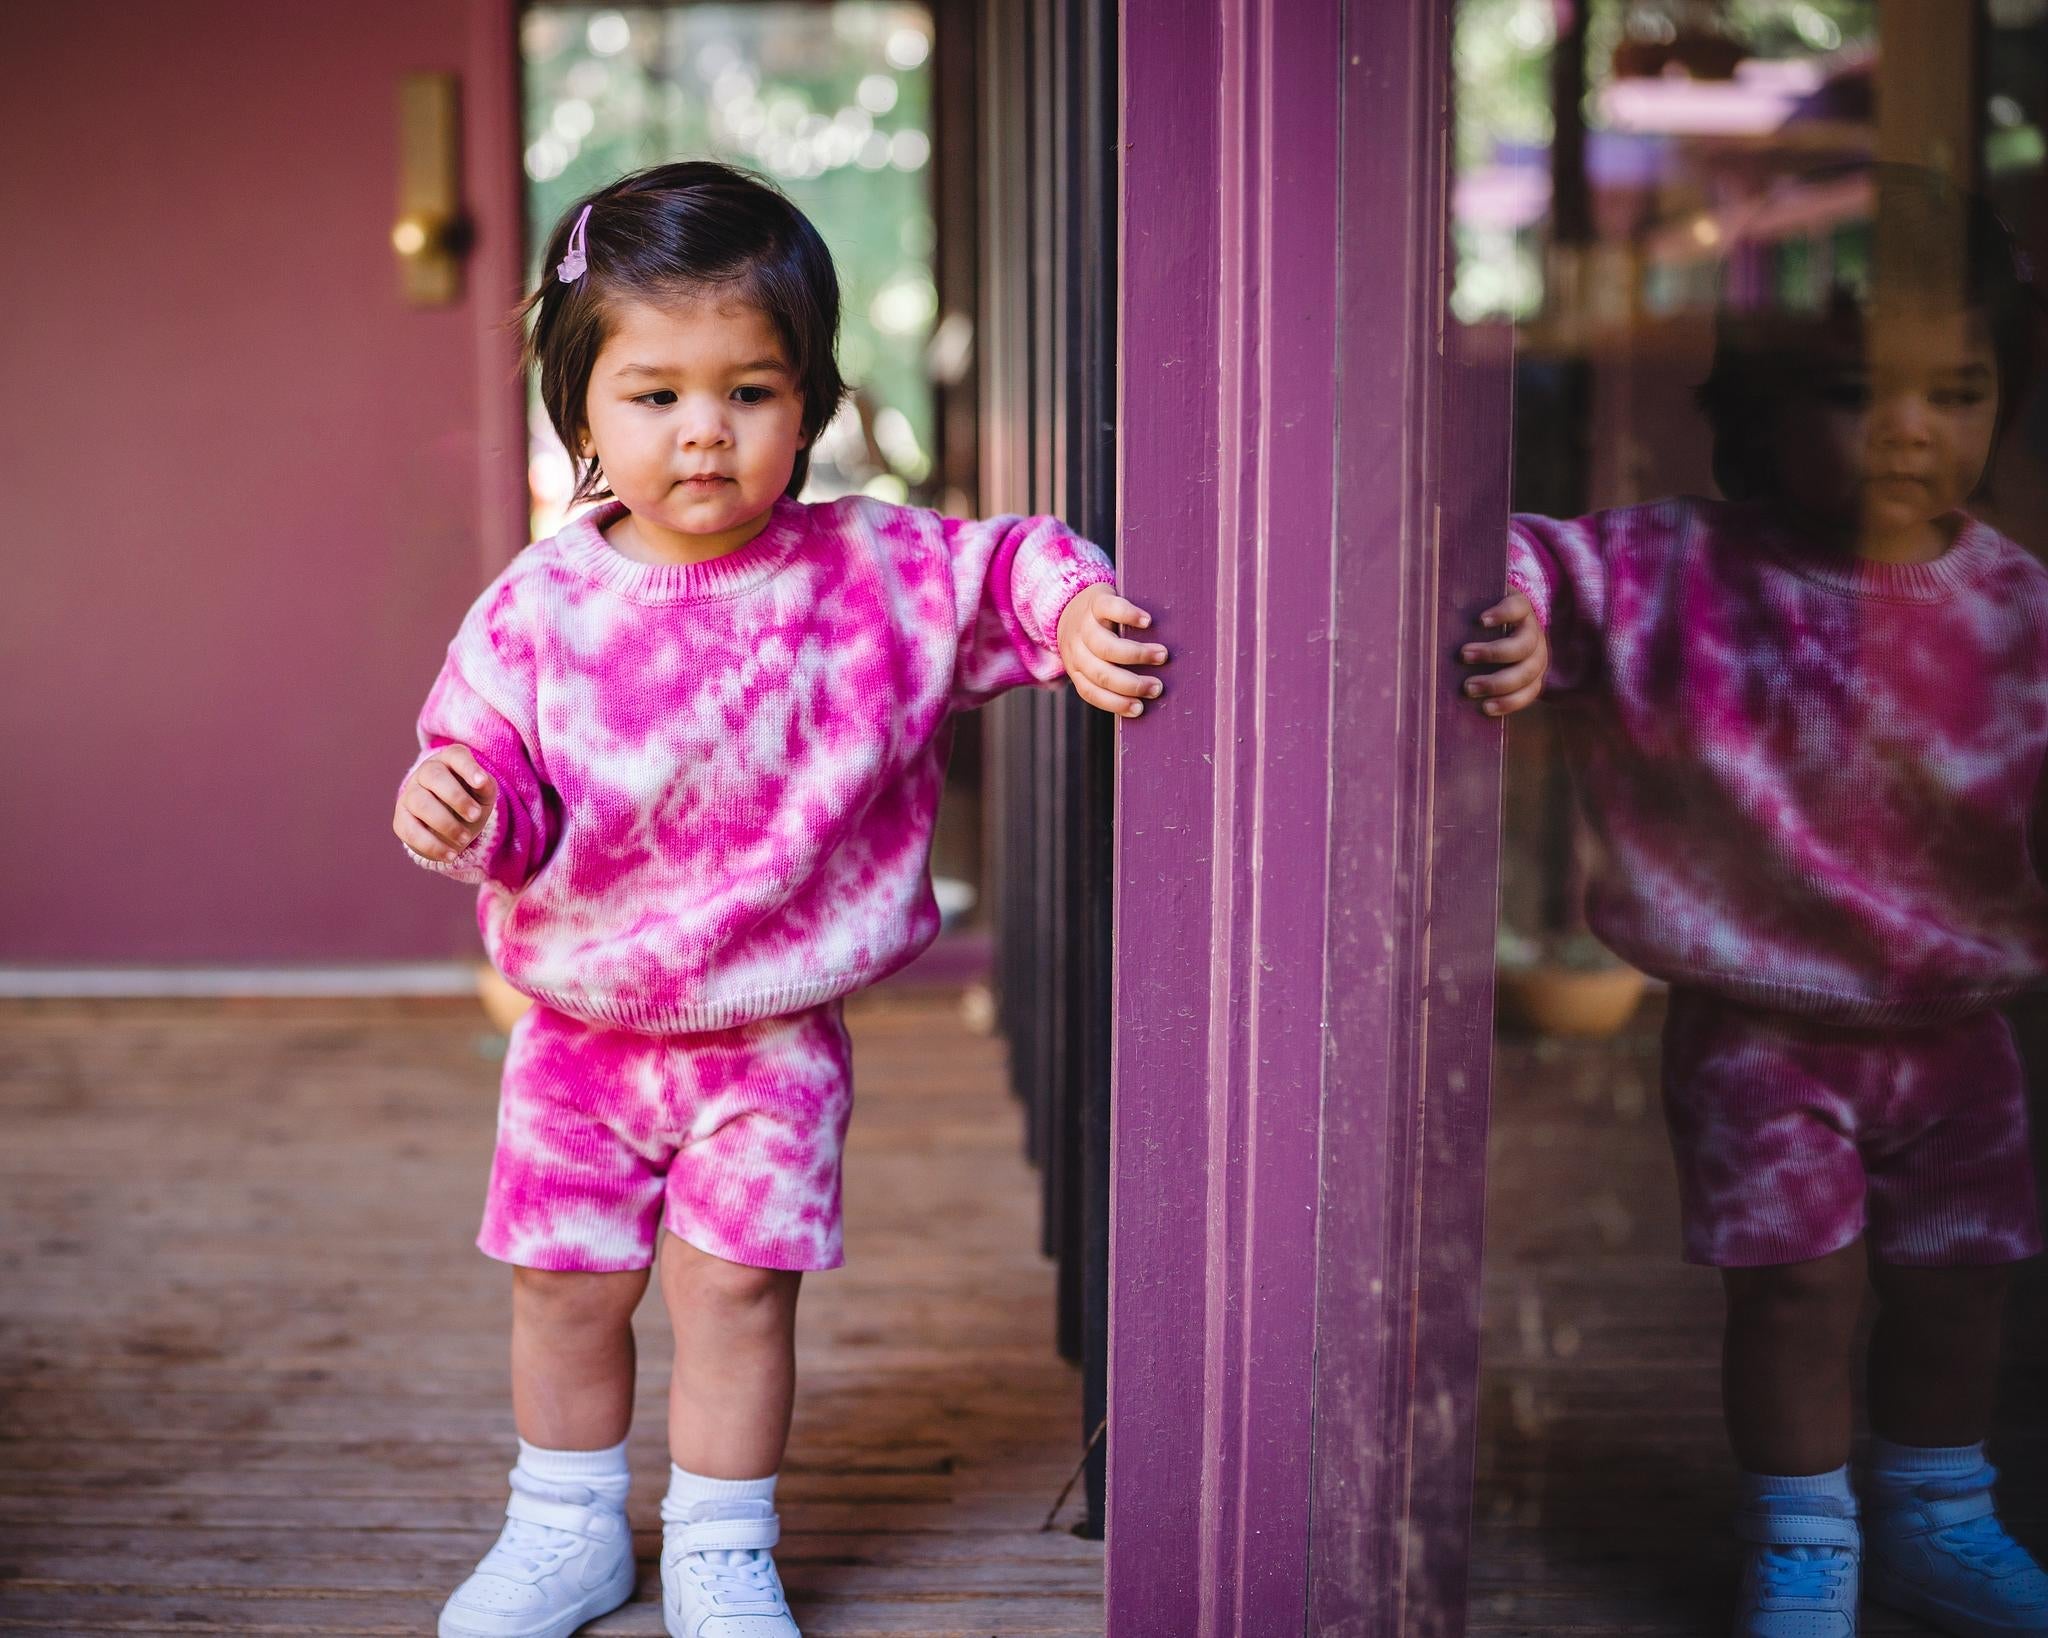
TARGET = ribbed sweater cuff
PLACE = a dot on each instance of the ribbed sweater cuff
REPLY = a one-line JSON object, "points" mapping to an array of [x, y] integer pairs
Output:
{"points": [[473, 863], [1051, 589]]}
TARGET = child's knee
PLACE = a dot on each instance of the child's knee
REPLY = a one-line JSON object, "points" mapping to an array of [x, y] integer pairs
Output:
{"points": [[1823, 1293], [734, 1292], [570, 1300], [1944, 1296]]}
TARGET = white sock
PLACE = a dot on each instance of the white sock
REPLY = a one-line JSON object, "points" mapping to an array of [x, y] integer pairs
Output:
{"points": [[687, 1491], [1903, 1464], [602, 1472], [1834, 1484]]}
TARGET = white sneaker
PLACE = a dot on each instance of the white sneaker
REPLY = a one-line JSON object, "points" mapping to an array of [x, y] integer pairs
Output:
{"points": [[1938, 1551], [1799, 1577], [717, 1578], [563, 1558]]}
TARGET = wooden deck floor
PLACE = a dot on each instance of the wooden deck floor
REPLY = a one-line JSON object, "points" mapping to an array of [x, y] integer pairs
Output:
{"points": [[252, 1372], [1604, 1482]]}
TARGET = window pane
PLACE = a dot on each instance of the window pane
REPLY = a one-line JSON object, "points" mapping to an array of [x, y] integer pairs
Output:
{"points": [[1772, 838]]}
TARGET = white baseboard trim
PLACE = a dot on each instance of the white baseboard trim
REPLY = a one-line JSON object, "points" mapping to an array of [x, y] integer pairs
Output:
{"points": [[300, 983]]}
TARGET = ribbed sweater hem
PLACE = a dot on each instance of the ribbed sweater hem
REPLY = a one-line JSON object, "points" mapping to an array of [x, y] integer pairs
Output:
{"points": [[720, 1012], [1822, 1005]]}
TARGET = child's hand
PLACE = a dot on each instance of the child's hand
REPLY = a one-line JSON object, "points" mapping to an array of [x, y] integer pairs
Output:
{"points": [[1523, 655], [445, 805], [1095, 655]]}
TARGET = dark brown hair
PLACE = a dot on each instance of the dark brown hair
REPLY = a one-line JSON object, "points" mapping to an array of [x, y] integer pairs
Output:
{"points": [[677, 231], [1952, 244]]}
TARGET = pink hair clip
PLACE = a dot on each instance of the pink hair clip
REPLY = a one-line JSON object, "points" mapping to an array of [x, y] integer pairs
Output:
{"points": [[572, 265]]}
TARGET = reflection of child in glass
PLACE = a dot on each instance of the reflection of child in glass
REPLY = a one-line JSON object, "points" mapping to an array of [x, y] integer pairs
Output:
{"points": [[1808, 726], [691, 750]]}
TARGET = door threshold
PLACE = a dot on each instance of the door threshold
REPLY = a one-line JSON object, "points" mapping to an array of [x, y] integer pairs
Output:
{"points": [[159, 983]]}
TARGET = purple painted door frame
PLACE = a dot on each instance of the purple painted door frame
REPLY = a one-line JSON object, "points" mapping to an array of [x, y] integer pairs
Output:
{"points": [[1313, 493]]}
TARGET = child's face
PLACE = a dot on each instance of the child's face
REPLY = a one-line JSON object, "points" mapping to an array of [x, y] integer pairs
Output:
{"points": [[1882, 433], [695, 414]]}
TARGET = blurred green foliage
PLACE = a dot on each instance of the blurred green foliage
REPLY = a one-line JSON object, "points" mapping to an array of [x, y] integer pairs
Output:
{"points": [[1502, 52]]}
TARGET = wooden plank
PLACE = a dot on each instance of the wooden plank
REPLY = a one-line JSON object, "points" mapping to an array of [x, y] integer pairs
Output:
{"points": [[830, 1612], [260, 1386]]}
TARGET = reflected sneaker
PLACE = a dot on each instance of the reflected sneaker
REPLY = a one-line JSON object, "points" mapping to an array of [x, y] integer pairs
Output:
{"points": [[563, 1558], [1938, 1551], [717, 1578], [1799, 1580]]}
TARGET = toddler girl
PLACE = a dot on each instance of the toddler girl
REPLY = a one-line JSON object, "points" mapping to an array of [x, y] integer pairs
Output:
{"points": [[1808, 726], [691, 750]]}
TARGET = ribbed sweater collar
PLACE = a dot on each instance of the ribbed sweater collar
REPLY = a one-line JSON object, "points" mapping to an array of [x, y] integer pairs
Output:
{"points": [[1970, 554], [583, 546]]}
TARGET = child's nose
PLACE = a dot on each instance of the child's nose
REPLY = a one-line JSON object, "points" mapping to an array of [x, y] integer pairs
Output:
{"points": [[1904, 419], [703, 427]]}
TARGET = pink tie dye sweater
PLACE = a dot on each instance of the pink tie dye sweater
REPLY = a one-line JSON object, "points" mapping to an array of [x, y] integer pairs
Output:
{"points": [[1814, 781], [718, 780]]}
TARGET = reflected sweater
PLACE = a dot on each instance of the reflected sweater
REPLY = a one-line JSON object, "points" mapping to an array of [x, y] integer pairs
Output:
{"points": [[1814, 781], [717, 781]]}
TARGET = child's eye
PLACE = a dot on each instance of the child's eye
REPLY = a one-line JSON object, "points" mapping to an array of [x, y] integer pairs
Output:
{"points": [[1961, 398], [753, 395], [660, 398]]}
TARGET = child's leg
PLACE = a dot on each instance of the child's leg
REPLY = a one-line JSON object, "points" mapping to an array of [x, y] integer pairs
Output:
{"points": [[1952, 1207], [1762, 1109], [1934, 1352], [565, 1555], [572, 1356], [735, 1367], [1785, 1388], [575, 1198], [728, 1419], [1937, 1547], [753, 1200], [1785, 1364]]}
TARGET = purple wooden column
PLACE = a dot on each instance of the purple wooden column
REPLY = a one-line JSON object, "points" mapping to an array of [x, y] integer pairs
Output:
{"points": [[1313, 475]]}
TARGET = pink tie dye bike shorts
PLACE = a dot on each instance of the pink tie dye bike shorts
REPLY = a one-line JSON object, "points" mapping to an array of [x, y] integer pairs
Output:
{"points": [[734, 1135], [1793, 1138]]}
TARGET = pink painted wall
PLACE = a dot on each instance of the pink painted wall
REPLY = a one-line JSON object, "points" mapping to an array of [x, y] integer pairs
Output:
{"points": [[247, 491]]}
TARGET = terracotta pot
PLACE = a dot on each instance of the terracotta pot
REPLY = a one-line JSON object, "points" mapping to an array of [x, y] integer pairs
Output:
{"points": [[502, 1004], [1555, 1000]]}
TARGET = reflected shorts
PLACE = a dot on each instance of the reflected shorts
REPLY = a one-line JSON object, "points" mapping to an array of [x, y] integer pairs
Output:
{"points": [[1793, 1138], [733, 1135]]}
